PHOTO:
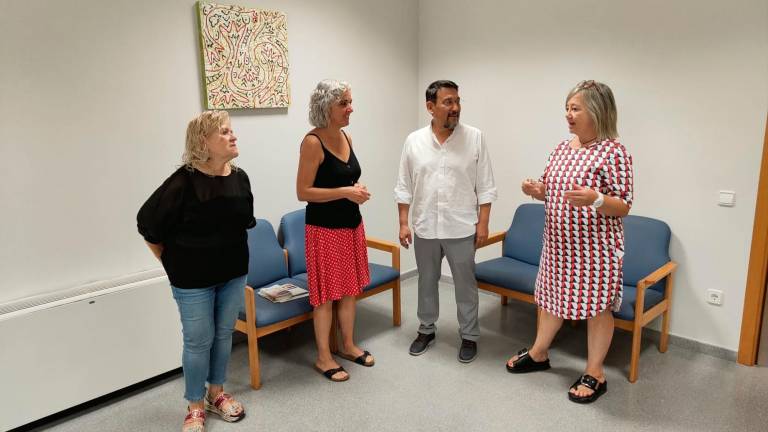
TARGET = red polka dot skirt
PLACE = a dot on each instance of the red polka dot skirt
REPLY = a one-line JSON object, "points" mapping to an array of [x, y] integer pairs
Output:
{"points": [[337, 262]]}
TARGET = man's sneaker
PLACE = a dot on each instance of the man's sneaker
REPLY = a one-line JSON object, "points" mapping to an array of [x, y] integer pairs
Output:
{"points": [[422, 342], [468, 351]]}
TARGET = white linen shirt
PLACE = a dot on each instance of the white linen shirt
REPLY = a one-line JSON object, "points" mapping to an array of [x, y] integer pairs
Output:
{"points": [[445, 184]]}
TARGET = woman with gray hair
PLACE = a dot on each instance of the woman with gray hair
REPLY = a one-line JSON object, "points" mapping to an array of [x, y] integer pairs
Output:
{"points": [[195, 223], [336, 251], [587, 189]]}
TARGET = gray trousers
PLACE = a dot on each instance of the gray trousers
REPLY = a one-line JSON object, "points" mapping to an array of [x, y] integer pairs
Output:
{"points": [[461, 258]]}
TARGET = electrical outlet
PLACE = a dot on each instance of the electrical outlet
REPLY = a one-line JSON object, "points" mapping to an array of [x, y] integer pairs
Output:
{"points": [[714, 297]]}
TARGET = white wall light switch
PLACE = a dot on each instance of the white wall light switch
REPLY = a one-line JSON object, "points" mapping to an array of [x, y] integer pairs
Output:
{"points": [[726, 198]]}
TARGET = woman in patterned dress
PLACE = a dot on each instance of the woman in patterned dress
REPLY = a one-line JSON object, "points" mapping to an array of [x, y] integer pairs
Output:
{"points": [[336, 251], [586, 188]]}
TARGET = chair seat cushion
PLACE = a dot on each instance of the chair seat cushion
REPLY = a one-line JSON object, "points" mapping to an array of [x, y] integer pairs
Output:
{"points": [[269, 313], [380, 274], [629, 299], [508, 273]]}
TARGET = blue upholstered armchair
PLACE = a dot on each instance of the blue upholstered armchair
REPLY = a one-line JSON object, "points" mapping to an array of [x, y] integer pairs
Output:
{"points": [[648, 271], [383, 278], [259, 317]]}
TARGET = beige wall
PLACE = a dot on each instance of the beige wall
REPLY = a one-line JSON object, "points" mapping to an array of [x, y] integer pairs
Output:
{"points": [[95, 97], [690, 82]]}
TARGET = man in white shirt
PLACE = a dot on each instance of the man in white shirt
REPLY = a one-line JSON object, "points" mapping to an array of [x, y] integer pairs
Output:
{"points": [[446, 177]]}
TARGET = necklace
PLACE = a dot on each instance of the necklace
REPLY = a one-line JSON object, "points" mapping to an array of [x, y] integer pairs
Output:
{"points": [[583, 145]]}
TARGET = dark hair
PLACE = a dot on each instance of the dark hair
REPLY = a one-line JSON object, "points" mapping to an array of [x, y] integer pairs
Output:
{"points": [[436, 86]]}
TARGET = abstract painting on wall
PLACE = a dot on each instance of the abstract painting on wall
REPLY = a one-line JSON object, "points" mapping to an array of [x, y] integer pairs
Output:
{"points": [[245, 57]]}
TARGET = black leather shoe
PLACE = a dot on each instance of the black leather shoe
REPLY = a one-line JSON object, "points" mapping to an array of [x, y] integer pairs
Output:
{"points": [[468, 351], [422, 342]]}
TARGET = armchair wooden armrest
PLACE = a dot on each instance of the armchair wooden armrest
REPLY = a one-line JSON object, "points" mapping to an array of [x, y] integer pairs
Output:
{"points": [[494, 238], [641, 317], [659, 274], [385, 246]]}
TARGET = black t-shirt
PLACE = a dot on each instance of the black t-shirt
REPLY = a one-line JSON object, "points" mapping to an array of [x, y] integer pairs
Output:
{"points": [[201, 221], [335, 173]]}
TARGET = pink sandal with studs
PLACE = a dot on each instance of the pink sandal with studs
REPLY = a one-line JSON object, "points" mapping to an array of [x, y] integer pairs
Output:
{"points": [[226, 407], [194, 421]]}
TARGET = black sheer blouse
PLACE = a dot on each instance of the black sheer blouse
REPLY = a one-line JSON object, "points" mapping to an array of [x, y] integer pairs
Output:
{"points": [[201, 221]]}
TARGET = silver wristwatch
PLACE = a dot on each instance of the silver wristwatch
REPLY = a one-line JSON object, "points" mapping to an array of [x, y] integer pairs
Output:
{"points": [[599, 201]]}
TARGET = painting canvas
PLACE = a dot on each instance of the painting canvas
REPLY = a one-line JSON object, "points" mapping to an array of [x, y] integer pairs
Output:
{"points": [[245, 57]]}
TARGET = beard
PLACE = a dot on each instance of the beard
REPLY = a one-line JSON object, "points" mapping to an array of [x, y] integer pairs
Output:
{"points": [[451, 122]]}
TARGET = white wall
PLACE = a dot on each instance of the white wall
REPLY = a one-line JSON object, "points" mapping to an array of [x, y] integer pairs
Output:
{"points": [[96, 96], [690, 81], [94, 101]]}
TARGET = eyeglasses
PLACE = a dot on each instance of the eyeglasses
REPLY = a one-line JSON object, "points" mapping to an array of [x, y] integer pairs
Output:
{"points": [[588, 84]]}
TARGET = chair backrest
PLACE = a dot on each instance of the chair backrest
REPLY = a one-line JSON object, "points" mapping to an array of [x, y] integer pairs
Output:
{"points": [[266, 262], [646, 248], [291, 236], [524, 238]]}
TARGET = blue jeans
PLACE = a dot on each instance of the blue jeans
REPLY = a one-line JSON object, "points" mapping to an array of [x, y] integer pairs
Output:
{"points": [[208, 318]]}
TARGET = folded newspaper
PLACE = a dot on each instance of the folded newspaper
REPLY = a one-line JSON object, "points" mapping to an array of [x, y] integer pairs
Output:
{"points": [[283, 293]]}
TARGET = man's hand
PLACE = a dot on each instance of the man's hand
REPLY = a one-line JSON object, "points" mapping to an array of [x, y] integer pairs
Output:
{"points": [[405, 236], [481, 234], [580, 196]]}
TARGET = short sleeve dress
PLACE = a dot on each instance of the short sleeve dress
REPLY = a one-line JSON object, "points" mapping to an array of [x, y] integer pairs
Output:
{"points": [[580, 272]]}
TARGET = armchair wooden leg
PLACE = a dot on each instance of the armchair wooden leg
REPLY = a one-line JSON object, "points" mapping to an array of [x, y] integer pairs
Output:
{"points": [[396, 304], [637, 335], [253, 361], [538, 317], [253, 344], [504, 300], [664, 339]]}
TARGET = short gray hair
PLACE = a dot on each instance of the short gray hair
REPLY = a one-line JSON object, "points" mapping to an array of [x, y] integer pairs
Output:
{"points": [[601, 105], [325, 94]]}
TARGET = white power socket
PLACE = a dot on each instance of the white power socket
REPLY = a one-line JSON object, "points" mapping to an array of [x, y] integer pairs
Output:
{"points": [[714, 297]]}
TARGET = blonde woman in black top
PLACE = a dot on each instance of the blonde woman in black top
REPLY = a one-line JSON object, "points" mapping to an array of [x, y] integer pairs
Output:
{"points": [[195, 223], [335, 247]]}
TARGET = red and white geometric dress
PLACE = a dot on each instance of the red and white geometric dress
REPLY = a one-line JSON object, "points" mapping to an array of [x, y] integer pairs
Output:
{"points": [[580, 273]]}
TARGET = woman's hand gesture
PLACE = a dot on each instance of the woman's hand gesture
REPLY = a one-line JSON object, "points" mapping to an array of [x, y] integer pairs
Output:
{"points": [[533, 189]]}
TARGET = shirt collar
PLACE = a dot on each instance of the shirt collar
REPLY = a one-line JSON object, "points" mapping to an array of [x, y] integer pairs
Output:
{"points": [[450, 137]]}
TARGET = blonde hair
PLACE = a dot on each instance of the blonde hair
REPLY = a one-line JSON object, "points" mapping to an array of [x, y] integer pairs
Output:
{"points": [[200, 128], [599, 101]]}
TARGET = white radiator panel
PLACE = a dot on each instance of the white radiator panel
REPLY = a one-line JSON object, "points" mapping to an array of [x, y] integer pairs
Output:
{"points": [[58, 357]]}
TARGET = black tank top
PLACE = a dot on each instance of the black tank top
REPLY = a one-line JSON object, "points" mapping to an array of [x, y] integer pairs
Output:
{"points": [[335, 173]]}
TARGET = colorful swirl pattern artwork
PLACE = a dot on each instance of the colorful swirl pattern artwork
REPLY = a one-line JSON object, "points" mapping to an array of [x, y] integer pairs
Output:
{"points": [[245, 57]]}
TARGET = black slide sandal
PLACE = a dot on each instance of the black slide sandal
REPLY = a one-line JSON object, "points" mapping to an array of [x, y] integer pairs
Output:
{"points": [[525, 363], [331, 372], [598, 389]]}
